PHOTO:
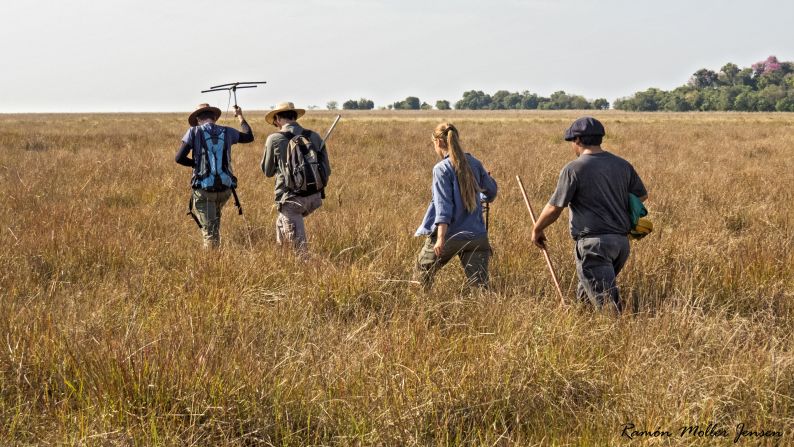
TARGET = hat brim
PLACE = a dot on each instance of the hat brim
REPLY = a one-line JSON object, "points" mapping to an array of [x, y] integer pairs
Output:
{"points": [[193, 118], [570, 137], [270, 117]]}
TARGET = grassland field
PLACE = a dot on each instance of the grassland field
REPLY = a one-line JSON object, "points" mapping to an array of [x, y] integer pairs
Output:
{"points": [[117, 329]]}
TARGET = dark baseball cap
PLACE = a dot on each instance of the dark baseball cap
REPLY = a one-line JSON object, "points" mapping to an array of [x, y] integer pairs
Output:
{"points": [[585, 126]]}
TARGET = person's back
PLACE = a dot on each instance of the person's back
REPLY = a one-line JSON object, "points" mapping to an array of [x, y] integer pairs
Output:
{"points": [[462, 223], [597, 192], [275, 164]]}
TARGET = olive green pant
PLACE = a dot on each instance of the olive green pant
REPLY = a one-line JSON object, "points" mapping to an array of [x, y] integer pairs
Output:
{"points": [[474, 255], [207, 206]]}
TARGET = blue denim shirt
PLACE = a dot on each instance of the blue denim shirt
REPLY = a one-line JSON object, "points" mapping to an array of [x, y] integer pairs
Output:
{"points": [[447, 204]]}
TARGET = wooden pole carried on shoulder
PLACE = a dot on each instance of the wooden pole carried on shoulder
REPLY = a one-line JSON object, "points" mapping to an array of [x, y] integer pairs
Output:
{"points": [[328, 134], [545, 252]]}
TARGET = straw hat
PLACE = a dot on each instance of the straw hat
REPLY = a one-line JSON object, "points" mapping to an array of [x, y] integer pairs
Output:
{"points": [[283, 107], [193, 121]]}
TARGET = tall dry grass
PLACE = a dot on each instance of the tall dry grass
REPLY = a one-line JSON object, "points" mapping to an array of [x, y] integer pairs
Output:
{"points": [[117, 330]]}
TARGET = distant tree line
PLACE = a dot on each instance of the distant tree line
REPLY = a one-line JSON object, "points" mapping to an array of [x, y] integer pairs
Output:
{"points": [[477, 100], [409, 103], [766, 86], [504, 100], [361, 104]]}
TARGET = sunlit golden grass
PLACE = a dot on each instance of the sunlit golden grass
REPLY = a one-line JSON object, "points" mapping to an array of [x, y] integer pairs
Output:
{"points": [[118, 330]]}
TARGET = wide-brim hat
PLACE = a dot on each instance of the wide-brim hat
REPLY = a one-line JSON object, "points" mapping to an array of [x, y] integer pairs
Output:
{"points": [[283, 107], [193, 120], [583, 127]]}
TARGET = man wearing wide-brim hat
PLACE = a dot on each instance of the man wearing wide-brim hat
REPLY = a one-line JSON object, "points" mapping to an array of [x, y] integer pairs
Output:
{"points": [[596, 186], [213, 180], [293, 203]]}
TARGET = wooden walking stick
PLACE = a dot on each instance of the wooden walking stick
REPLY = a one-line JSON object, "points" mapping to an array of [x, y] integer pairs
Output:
{"points": [[545, 252]]}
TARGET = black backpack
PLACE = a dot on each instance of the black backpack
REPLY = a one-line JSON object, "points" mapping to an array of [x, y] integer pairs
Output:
{"points": [[305, 171]]}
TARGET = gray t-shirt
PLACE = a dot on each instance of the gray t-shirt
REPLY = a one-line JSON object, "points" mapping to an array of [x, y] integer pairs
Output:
{"points": [[597, 187]]}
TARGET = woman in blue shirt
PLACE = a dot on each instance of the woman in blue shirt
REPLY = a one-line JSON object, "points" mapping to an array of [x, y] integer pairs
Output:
{"points": [[453, 221]]}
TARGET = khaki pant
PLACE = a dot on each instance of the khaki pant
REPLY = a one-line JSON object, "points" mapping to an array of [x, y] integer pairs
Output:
{"points": [[289, 224], [474, 255], [207, 206]]}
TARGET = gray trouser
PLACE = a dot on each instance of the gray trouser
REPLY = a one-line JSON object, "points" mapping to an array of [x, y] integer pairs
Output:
{"points": [[289, 224], [208, 208], [599, 259], [474, 256]]}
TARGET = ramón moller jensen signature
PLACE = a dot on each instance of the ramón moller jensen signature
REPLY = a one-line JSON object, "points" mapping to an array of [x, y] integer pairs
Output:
{"points": [[630, 431]]}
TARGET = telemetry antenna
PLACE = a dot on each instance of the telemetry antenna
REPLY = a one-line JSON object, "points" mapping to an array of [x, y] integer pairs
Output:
{"points": [[232, 88]]}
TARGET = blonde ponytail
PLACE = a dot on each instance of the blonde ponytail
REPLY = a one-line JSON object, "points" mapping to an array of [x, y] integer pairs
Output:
{"points": [[469, 189]]}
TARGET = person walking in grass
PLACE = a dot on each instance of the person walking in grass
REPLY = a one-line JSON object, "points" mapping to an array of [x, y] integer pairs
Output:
{"points": [[453, 222], [298, 158], [213, 180], [596, 187]]}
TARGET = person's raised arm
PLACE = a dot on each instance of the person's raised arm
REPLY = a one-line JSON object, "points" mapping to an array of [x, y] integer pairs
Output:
{"points": [[246, 133]]}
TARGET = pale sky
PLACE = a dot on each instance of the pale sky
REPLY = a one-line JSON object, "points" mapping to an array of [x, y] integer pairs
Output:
{"points": [[146, 55]]}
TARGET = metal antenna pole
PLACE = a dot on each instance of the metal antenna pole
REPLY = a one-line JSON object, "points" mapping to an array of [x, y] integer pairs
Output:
{"points": [[545, 252]]}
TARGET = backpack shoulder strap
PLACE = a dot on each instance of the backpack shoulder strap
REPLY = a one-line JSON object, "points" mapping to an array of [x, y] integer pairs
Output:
{"points": [[306, 135], [197, 137], [287, 134]]}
